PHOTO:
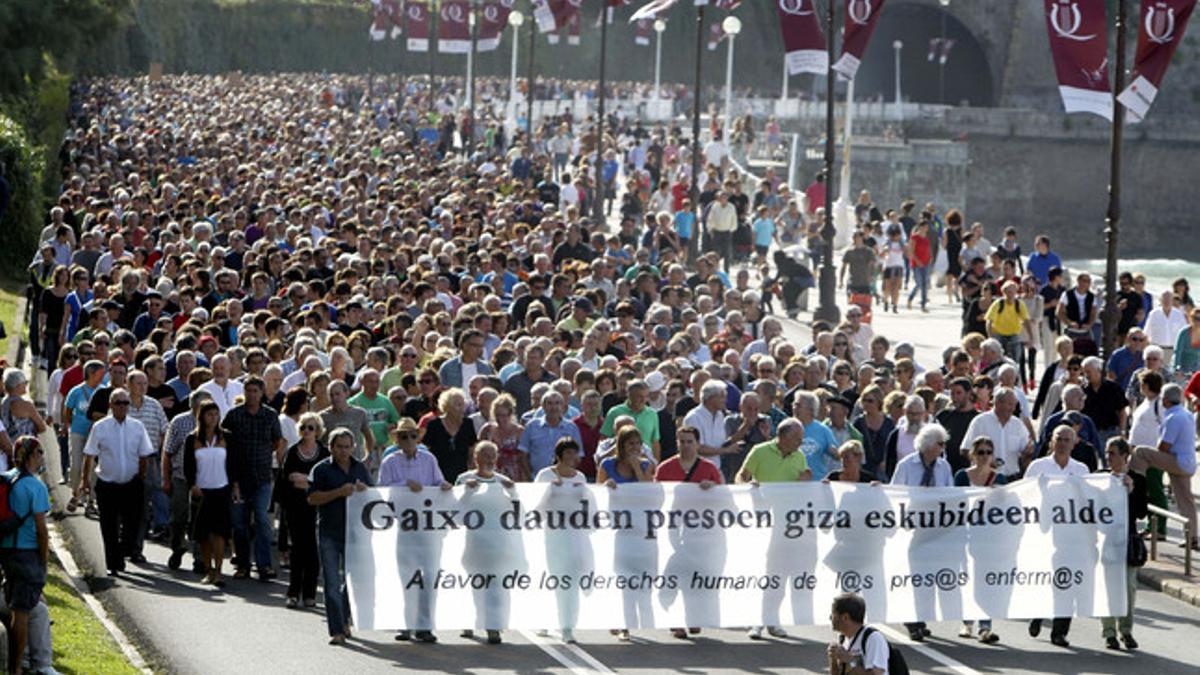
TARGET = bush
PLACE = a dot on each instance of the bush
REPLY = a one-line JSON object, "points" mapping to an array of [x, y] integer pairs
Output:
{"points": [[23, 166]]}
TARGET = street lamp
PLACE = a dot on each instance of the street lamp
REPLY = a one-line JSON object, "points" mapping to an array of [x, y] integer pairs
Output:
{"points": [[828, 310], [732, 26], [515, 19], [898, 45], [659, 27], [469, 142], [942, 57]]}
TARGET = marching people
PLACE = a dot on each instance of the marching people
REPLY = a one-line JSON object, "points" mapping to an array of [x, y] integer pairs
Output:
{"points": [[376, 267], [1117, 454]]}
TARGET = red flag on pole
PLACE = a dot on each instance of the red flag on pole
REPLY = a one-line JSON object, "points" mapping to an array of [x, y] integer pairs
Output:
{"points": [[386, 18], [641, 36], [1078, 32], [573, 27], [454, 33], [1159, 32], [716, 33], [802, 38], [417, 15], [494, 18], [861, 17]]}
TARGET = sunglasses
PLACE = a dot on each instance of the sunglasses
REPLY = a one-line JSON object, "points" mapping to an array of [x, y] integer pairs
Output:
{"points": [[984, 451], [308, 427], [119, 403], [407, 436], [425, 381], [408, 356]]}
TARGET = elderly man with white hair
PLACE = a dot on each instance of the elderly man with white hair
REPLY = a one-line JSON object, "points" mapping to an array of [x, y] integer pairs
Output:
{"points": [[223, 389], [926, 467], [1104, 400], [709, 419], [1009, 435], [902, 442], [1174, 455], [820, 445], [771, 328], [1163, 324]]}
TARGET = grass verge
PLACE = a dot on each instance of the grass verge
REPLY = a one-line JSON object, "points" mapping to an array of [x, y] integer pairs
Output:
{"points": [[10, 291], [81, 644]]}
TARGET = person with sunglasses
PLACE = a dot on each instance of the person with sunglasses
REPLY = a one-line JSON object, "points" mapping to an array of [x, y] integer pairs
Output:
{"points": [[291, 492], [981, 473]]}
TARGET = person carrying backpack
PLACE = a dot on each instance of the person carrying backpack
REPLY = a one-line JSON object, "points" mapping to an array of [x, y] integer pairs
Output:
{"points": [[860, 648], [24, 548]]}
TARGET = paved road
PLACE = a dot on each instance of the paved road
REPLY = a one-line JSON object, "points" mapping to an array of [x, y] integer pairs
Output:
{"points": [[186, 628]]}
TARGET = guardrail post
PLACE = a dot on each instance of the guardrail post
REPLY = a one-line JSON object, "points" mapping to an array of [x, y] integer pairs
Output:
{"points": [[1187, 549], [1154, 536]]}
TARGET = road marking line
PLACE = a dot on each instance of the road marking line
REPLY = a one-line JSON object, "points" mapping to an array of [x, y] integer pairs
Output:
{"points": [[553, 650], [68, 564], [928, 652], [591, 660]]}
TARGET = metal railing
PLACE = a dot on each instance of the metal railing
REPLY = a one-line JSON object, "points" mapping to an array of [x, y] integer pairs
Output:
{"points": [[1157, 512]]}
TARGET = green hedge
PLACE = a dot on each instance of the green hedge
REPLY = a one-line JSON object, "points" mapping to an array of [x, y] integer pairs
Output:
{"points": [[23, 164]]}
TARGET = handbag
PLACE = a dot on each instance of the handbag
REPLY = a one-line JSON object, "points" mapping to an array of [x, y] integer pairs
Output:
{"points": [[1136, 554]]}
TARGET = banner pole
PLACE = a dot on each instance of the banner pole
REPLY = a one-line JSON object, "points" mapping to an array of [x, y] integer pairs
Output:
{"points": [[1111, 312], [827, 310]]}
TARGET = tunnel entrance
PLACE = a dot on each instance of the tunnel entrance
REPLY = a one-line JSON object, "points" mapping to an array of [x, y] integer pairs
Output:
{"points": [[965, 79]]}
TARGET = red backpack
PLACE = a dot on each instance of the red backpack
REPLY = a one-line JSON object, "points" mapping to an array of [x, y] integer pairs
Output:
{"points": [[10, 522]]}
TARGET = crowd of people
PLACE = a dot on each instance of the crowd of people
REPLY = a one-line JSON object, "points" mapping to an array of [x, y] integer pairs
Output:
{"points": [[253, 300]]}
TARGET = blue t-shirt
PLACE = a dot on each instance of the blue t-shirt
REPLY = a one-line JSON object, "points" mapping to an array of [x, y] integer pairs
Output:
{"points": [[818, 447], [77, 402], [1124, 362], [27, 497], [1040, 265], [684, 222], [764, 231], [1179, 429], [610, 467]]}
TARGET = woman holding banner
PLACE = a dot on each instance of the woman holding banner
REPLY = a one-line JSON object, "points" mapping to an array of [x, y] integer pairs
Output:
{"points": [[981, 473]]}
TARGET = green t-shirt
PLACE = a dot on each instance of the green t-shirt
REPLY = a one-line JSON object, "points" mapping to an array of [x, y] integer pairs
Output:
{"points": [[390, 378], [646, 422], [381, 415], [766, 464]]}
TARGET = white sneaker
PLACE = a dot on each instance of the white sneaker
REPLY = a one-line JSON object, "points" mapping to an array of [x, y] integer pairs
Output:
{"points": [[966, 632], [755, 633], [776, 632]]}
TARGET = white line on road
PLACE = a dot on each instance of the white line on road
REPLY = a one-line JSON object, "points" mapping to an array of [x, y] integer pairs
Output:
{"points": [[589, 665], [928, 652]]}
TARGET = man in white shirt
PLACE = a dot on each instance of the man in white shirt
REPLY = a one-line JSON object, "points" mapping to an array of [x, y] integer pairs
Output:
{"points": [[1058, 463], [709, 419], [1007, 431], [722, 224], [119, 449], [1164, 323], [223, 390]]}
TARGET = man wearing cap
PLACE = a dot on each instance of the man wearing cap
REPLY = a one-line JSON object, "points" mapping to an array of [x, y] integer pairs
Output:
{"points": [[644, 418], [458, 371], [580, 318], [657, 349]]}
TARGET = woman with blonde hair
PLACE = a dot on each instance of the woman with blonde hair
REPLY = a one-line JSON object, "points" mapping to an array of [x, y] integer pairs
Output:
{"points": [[504, 429], [291, 492], [450, 435]]}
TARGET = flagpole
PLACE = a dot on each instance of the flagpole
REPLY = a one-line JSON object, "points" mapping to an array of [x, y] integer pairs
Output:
{"points": [[1112, 313], [695, 191], [469, 141], [828, 310], [598, 192], [433, 15]]}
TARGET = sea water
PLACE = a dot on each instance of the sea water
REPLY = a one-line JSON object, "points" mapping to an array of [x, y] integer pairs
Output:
{"points": [[1159, 272]]}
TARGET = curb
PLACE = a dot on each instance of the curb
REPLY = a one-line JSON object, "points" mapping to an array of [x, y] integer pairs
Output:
{"points": [[1171, 583]]}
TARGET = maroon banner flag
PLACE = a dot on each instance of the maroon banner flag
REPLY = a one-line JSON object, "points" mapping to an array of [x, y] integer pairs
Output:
{"points": [[1160, 31], [861, 17], [386, 18], [802, 38], [716, 33], [641, 35], [573, 26], [543, 13], [493, 20], [454, 31], [417, 15], [1078, 31]]}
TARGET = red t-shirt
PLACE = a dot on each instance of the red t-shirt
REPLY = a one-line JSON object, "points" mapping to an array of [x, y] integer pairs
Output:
{"points": [[922, 255], [1192, 390], [672, 471], [814, 196], [591, 440]]}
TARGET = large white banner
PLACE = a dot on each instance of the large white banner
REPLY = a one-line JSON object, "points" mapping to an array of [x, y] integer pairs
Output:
{"points": [[670, 554]]}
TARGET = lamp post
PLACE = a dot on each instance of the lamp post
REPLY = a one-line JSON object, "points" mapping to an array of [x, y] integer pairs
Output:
{"points": [[828, 310], [515, 19], [732, 26], [659, 27], [469, 141], [529, 83], [898, 46], [1112, 313], [694, 193]]}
